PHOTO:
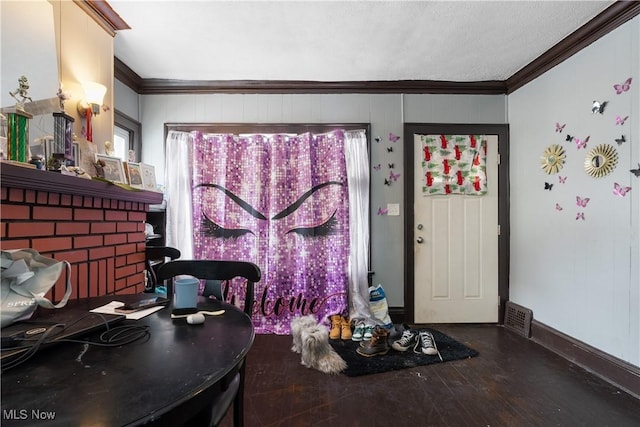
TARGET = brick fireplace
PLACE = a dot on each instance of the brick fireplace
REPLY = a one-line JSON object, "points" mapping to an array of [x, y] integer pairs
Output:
{"points": [[96, 226]]}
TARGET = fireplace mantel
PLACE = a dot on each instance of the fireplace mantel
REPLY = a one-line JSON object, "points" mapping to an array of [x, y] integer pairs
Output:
{"points": [[15, 176]]}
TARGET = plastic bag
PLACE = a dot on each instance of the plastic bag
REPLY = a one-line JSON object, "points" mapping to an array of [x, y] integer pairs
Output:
{"points": [[379, 306]]}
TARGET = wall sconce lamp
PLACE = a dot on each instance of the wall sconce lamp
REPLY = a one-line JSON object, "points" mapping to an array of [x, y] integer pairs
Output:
{"points": [[93, 95], [90, 105]]}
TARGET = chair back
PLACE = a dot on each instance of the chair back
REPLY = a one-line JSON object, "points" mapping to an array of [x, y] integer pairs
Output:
{"points": [[156, 256], [211, 270]]}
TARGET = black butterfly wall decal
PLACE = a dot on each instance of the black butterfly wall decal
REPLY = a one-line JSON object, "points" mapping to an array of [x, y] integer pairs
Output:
{"points": [[598, 107], [392, 165], [621, 140], [387, 182], [548, 186], [389, 149], [569, 138], [636, 172], [377, 138]]}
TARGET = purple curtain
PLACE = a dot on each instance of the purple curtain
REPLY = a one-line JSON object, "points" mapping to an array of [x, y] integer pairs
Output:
{"points": [[280, 201]]}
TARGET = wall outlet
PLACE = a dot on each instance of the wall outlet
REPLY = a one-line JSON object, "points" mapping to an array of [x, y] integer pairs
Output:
{"points": [[393, 209]]}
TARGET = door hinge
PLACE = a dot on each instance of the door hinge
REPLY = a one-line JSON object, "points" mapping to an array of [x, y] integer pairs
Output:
{"points": [[498, 229], [498, 158]]}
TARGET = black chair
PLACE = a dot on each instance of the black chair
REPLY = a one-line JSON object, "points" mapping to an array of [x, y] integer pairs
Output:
{"points": [[155, 257], [215, 272]]}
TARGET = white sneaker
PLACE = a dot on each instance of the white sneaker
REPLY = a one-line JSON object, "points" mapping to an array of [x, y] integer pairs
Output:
{"points": [[427, 343]]}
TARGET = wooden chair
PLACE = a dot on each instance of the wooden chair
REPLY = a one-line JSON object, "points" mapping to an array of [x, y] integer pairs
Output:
{"points": [[155, 257], [215, 272]]}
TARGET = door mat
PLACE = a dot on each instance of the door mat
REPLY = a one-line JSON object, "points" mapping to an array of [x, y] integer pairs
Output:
{"points": [[357, 365]]}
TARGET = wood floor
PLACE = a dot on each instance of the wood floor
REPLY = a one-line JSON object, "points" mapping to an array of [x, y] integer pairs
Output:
{"points": [[513, 382]]}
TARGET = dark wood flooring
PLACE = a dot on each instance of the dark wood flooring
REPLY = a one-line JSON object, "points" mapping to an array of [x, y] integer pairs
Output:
{"points": [[513, 382]]}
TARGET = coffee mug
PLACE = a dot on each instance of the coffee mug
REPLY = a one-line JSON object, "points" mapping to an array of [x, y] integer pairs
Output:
{"points": [[185, 293]]}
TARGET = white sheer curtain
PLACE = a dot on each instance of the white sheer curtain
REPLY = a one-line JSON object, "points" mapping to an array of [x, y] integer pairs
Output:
{"points": [[177, 180], [357, 158], [180, 230]]}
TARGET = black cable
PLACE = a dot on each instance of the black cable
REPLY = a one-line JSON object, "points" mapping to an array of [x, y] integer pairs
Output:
{"points": [[112, 337]]}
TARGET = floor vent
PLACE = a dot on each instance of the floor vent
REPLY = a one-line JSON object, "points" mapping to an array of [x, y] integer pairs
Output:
{"points": [[518, 319]]}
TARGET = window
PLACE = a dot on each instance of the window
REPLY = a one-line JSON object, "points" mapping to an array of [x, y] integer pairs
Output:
{"points": [[126, 137]]}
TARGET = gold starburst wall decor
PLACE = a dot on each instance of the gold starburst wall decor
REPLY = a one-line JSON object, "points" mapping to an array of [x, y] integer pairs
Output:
{"points": [[601, 161], [553, 159]]}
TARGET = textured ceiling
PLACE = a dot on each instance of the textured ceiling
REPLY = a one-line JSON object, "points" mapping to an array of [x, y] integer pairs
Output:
{"points": [[329, 41]]}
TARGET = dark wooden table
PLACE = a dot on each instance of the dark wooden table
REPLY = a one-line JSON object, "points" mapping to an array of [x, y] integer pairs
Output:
{"points": [[175, 372]]}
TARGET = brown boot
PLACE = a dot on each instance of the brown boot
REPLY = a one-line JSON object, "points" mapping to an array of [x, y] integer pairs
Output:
{"points": [[345, 328], [377, 345], [336, 322]]}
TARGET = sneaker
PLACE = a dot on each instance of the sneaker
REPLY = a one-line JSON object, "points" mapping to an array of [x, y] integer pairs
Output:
{"points": [[427, 344], [406, 341], [368, 332], [377, 345], [358, 332]]}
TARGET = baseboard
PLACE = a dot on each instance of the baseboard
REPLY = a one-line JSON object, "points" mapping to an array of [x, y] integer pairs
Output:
{"points": [[397, 315], [609, 368]]}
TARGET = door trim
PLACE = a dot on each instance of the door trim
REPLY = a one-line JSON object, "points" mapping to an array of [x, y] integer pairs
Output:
{"points": [[502, 130]]}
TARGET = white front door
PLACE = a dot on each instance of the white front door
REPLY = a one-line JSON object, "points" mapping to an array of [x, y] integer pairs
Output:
{"points": [[456, 249]]}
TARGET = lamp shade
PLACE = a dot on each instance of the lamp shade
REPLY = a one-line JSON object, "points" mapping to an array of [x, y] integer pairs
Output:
{"points": [[94, 92]]}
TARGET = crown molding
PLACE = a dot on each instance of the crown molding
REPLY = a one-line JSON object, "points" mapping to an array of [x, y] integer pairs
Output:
{"points": [[605, 22], [104, 15]]}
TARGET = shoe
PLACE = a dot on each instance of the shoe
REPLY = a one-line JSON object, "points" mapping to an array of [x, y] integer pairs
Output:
{"points": [[406, 341], [427, 344], [368, 332], [345, 329], [336, 322], [358, 332], [377, 345]]}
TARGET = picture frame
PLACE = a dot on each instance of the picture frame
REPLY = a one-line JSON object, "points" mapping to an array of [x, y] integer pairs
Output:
{"points": [[112, 169], [148, 177], [134, 174]]}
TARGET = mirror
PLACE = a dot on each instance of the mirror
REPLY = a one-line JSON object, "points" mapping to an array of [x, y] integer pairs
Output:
{"points": [[553, 159], [601, 161]]}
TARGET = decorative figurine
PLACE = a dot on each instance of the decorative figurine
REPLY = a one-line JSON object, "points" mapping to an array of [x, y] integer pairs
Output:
{"points": [[21, 93]]}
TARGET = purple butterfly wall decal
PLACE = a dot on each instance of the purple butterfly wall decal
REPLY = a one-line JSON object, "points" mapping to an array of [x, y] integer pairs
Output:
{"points": [[623, 87], [582, 202], [562, 179], [559, 127], [377, 167], [581, 143], [620, 120], [558, 207], [393, 138], [394, 176], [580, 215], [383, 211], [620, 190]]}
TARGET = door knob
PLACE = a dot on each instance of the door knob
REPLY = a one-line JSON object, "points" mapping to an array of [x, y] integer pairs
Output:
{"points": [[419, 227], [420, 239]]}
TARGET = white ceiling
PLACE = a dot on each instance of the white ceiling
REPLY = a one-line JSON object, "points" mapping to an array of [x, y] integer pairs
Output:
{"points": [[342, 40]]}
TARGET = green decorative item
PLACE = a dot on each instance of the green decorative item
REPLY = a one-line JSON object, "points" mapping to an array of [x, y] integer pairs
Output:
{"points": [[18, 136]]}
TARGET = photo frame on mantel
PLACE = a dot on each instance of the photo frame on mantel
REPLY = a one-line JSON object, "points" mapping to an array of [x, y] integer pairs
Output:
{"points": [[112, 169], [134, 172], [148, 173]]}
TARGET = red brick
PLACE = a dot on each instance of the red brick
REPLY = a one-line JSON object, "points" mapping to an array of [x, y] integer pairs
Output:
{"points": [[90, 241], [51, 213], [115, 239], [125, 227], [42, 197], [136, 237], [16, 195], [77, 200], [52, 244], [138, 257], [11, 211], [30, 196], [125, 271], [137, 216], [83, 281], [104, 252], [125, 249], [3, 230], [103, 227], [121, 261], [115, 215], [4, 191], [54, 199], [97, 203], [15, 244], [88, 215], [28, 229], [66, 200], [136, 280], [87, 202], [74, 257], [74, 228]]}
